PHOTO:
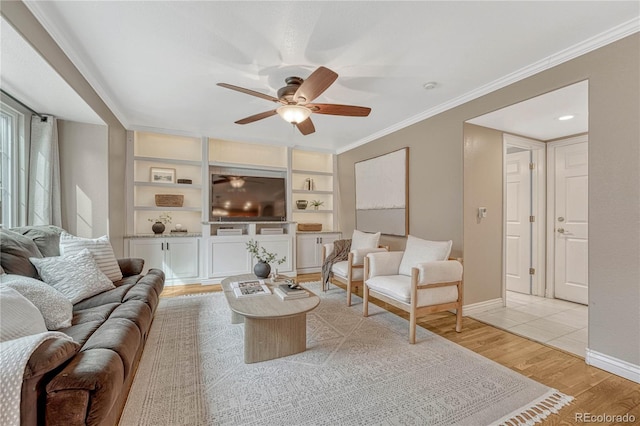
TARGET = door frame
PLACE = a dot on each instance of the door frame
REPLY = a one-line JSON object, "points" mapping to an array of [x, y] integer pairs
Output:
{"points": [[551, 196], [538, 207]]}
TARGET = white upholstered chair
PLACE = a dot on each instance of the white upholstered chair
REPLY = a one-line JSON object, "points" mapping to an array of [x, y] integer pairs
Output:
{"points": [[351, 271], [421, 280]]}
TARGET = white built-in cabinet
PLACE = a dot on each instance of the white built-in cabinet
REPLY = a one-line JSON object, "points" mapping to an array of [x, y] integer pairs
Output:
{"points": [[309, 250], [202, 255], [177, 257]]}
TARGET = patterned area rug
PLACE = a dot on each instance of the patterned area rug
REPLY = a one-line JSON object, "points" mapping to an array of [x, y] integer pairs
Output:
{"points": [[356, 371]]}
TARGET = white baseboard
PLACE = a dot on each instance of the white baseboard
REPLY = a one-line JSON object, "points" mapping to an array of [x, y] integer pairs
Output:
{"points": [[476, 308], [613, 365]]}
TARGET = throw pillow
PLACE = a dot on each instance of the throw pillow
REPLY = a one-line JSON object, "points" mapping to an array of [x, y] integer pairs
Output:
{"points": [[419, 251], [76, 276], [15, 251], [56, 309], [19, 317], [100, 248], [364, 240]]}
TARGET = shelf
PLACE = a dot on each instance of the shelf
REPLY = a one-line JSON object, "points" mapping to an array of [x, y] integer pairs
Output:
{"points": [[168, 209], [169, 185], [306, 191], [169, 161], [312, 211], [307, 172]]}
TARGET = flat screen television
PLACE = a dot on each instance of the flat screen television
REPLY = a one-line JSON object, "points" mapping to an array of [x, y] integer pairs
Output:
{"points": [[237, 197]]}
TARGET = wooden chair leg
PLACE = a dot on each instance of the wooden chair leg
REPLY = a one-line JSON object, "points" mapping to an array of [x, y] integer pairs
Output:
{"points": [[349, 293], [365, 300], [412, 326], [459, 319]]}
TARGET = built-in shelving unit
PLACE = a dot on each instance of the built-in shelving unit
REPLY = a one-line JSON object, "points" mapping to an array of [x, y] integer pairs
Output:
{"points": [[312, 179]]}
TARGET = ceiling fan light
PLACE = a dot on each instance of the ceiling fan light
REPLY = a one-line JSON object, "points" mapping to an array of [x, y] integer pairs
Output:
{"points": [[294, 113]]}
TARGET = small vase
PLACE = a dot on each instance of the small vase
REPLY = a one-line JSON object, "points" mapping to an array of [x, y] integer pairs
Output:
{"points": [[262, 270], [158, 228]]}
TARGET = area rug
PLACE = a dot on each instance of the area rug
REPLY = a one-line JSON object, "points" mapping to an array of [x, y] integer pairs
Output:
{"points": [[355, 371]]}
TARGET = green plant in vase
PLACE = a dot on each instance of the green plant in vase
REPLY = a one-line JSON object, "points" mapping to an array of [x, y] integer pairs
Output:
{"points": [[262, 269], [316, 204]]}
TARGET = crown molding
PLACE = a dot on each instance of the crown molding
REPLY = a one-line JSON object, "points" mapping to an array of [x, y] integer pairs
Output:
{"points": [[607, 37]]}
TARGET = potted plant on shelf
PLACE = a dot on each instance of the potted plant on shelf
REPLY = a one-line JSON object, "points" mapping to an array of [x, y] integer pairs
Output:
{"points": [[262, 269], [316, 204], [160, 222]]}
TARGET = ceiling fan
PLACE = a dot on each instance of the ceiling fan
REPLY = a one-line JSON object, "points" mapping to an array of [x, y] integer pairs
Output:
{"points": [[296, 97]]}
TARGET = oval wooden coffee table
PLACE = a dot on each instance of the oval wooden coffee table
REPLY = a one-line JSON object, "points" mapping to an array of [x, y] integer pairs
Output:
{"points": [[273, 327]]}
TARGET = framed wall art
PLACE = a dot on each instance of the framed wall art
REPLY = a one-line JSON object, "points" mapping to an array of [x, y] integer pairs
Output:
{"points": [[163, 175], [382, 193]]}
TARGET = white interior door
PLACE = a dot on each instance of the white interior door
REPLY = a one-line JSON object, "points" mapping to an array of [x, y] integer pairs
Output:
{"points": [[518, 227], [571, 222]]}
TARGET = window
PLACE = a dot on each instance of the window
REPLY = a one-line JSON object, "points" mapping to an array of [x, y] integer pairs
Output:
{"points": [[10, 166]]}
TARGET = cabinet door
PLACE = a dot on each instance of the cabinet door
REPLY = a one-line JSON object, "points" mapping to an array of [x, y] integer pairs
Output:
{"points": [[281, 246], [181, 257], [229, 256], [307, 251], [324, 239], [149, 249]]}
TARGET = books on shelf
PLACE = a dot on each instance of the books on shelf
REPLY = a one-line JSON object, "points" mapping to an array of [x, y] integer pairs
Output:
{"points": [[287, 293], [250, 288]]}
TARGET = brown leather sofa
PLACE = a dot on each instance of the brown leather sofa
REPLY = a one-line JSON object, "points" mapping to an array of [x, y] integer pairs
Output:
{"points": [[84, 382]]}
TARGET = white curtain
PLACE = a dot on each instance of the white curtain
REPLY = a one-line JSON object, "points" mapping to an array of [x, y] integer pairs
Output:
{"points": [[44, 173]]}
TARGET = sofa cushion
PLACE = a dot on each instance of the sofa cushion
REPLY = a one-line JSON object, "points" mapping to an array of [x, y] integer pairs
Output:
{"points": [[418, 250], [136, 311], [20, 317], [76, 276], [341, 269], [97, 313], [398, 287], [15, 251], [46, 237], [115, 295], [100, 248], [54, 307], [364, 240], [119, 335], [81, 332]]}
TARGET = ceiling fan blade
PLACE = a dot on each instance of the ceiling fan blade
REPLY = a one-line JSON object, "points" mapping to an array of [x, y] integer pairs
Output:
{"points": [[306, 127], [249, 92], [335, 109], [257, 117], [312, 87]]}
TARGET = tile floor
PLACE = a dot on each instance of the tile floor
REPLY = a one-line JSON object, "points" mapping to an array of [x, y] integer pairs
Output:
{"points": [[550, 321]]}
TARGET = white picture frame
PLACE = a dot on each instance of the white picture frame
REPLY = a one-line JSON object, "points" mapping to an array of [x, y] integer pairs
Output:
{"points": [[162, 175]]}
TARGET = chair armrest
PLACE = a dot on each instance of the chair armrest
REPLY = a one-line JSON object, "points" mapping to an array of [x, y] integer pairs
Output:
{"points": [[441, 271], [359, 254], [327, 249], [131, 266], [384, 263]]}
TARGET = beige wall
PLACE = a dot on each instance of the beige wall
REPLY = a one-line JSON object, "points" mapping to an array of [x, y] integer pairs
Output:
{"points": [[483, 240], [83, 176], [23, 21], [614, 187]]}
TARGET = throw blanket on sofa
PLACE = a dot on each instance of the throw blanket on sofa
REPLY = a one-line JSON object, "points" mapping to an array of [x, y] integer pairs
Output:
{"points": [[14, 355], [341, 249]]}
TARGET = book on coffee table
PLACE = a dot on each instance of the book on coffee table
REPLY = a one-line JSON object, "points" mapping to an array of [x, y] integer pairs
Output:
{"points": [[250, 288], [287, 293]]}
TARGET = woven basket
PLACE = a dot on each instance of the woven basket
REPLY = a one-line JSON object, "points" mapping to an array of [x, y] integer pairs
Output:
{"points": [[310, 227], [169, 200]]}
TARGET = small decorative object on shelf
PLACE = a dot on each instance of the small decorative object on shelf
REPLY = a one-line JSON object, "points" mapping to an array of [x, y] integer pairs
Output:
{"points": [[178, 229], [160, 222], [262, 269], [310, 227], [169, 200], [316, 204], [302, 204], [185, 181], [308, 184]]}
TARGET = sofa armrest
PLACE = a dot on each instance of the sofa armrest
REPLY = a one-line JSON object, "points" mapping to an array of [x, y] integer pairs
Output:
{"points": [[131, 266], [384, 263], [441, 271], [359, 254], [47, 358]]}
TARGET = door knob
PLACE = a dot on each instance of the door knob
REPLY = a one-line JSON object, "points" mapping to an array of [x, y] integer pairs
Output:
{"points": [[561, 219], [561, 230]]}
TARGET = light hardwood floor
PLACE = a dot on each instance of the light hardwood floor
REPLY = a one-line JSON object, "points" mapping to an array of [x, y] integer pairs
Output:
{"points": [[595, 391]]}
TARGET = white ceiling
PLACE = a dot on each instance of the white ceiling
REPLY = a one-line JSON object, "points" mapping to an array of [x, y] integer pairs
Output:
{"points": [[156, 63], [537, 118]]}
